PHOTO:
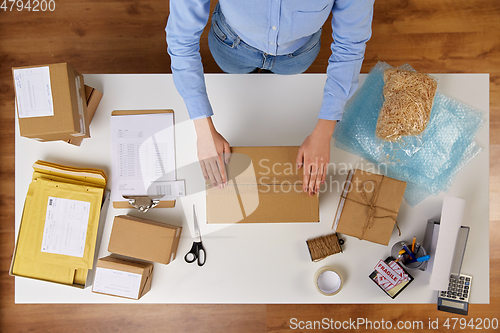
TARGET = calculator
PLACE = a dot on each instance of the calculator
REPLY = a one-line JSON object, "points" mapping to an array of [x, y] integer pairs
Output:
{"points": [[456, 298]]}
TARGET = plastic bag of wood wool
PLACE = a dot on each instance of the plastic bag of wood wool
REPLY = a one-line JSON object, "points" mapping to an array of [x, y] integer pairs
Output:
{"points": [[408, 98]]}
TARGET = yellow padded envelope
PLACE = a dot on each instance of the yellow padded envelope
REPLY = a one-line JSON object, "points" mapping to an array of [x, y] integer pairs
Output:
{"points": [[24, 265], [58, 232]]}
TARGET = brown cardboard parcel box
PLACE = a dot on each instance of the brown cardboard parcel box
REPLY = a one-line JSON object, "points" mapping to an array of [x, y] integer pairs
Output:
{"points": [[369, 206], [144, 239], [264, 185], [93, 97], [122, 277], [50, 102]]}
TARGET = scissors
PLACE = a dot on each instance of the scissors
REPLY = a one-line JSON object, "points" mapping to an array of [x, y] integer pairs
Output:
{"points": [[197, 251]]}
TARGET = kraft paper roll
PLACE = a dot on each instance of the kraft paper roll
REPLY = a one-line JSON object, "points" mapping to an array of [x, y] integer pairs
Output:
{"points": [[327, 281]]}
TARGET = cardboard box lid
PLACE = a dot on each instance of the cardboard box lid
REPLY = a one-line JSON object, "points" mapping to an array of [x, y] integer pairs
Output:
{"points": [[143, 239], [353, 212], [263, 186], [67, 102], [122, 264]]}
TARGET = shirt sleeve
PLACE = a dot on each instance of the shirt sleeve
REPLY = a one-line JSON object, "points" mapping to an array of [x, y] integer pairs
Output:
{"points": [[351, 25], [185, 25]]}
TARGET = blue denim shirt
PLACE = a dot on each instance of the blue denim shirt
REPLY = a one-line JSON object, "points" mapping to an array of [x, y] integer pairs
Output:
{"points": [[275, 27]]}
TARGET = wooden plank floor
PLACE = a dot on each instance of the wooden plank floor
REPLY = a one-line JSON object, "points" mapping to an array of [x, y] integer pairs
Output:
{"points": [[124, 36]]}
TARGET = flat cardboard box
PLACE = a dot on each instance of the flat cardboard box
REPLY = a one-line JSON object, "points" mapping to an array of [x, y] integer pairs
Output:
{"points": [[122, 277], [90, 273], [68, 98], [144, 239], [362, 192], [264, 186], [93, 97]]}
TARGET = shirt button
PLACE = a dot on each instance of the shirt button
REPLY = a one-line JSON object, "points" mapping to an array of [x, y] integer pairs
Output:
{"points": [[271, 43], [274, 27]]}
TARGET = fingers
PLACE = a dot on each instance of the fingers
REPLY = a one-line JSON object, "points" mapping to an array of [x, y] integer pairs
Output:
{"points": [[227, 153], [210, 173], [314, 176], [214, 169], [300, 162], [313, 171], [222, 169], [213, 162], [300, 158], [204, 170]]}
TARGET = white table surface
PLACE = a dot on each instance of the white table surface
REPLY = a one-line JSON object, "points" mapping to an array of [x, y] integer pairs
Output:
{"points": [[260, 263]]}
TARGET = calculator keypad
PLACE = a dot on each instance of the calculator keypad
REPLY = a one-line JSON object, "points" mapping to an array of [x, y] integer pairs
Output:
{"points": [[458, 288]]}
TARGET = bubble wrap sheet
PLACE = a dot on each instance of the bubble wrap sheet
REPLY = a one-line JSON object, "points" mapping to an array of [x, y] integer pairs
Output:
{"points": [[446, 145]]}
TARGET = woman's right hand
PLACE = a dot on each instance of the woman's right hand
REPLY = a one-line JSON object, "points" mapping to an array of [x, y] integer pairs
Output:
{"points": [[213, 152]]}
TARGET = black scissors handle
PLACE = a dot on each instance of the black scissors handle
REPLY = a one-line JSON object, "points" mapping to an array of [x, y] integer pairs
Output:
{"points": [[197, 252]]}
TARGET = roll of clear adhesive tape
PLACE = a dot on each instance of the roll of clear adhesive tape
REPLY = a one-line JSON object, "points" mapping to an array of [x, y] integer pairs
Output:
{"points": [[328, 281]]}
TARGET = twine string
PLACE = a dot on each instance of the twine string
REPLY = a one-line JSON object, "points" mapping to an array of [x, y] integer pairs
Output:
{"points": [[324, 246]]}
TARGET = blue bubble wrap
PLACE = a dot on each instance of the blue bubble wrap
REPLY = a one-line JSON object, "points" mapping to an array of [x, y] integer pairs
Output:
{"points": [[445, 146]]}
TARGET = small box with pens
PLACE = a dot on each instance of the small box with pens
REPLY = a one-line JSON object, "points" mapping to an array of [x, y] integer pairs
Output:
{"points": [[410, 256]]}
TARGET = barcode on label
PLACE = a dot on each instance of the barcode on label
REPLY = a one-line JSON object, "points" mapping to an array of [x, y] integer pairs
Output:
{"points": [[164, 190], [50, 202]]}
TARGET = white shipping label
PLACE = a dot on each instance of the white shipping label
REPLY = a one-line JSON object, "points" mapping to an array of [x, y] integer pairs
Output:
{"points": [[65, 229], [167, 189], [33, 92], [118, 283]]}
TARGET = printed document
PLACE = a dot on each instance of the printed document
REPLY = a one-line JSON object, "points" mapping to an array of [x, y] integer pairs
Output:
{"points": [[143, 156]]}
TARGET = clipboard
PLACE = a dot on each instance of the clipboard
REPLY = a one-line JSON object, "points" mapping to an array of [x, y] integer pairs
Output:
{"points": [[142, 202]]}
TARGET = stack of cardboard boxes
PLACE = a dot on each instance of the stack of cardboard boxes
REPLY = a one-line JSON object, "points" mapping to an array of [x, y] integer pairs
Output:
{"points": [[135, 243], [53, 103]]}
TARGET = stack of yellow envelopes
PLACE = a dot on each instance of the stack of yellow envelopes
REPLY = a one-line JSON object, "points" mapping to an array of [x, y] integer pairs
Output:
{"points": [[58, 231]]}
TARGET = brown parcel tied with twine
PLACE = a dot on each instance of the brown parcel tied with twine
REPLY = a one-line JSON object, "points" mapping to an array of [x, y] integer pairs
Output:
{"points": [[369, 206]]}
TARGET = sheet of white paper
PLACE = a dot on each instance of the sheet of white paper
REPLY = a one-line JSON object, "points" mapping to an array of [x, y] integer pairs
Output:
{"points": [[65, 229], [118, 283], [142, 153], [33, 92], [451, 221]]}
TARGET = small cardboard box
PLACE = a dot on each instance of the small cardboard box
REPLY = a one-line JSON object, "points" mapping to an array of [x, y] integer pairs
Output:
{"points": [[369, 206], [93, 97], [50, 102], [144, 239], [264, 186], [122, 277]]}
